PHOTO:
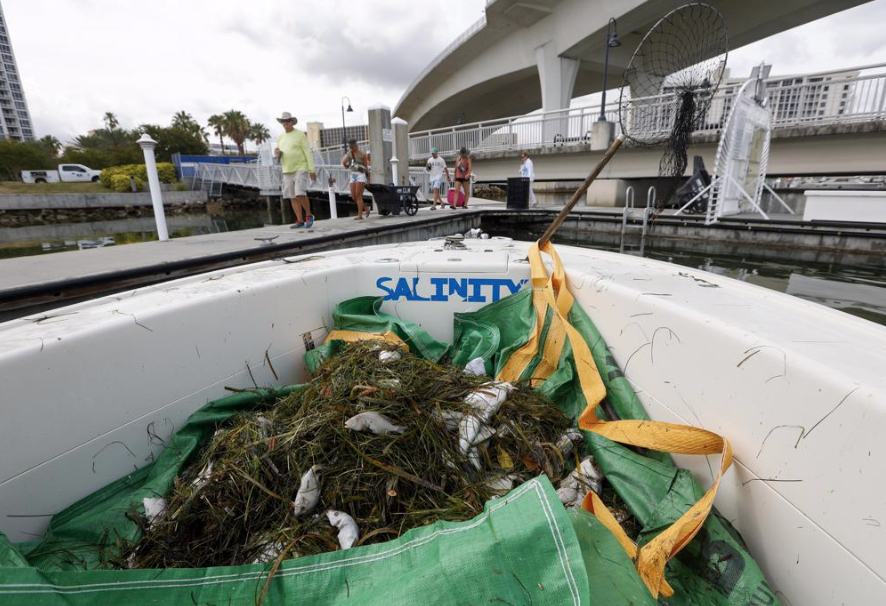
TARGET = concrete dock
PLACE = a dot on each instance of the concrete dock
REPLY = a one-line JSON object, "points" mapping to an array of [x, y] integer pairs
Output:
{"points": [[32, 284]]}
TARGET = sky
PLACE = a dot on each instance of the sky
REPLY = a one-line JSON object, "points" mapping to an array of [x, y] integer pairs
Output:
{"points": [[144, 61]]}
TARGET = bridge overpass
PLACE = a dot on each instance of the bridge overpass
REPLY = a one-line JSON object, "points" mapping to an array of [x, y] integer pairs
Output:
{"points": [[831, 123], [525, 55]]}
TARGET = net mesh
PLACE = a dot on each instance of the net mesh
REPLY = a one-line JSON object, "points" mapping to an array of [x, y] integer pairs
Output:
{"points": [[670, 82]]}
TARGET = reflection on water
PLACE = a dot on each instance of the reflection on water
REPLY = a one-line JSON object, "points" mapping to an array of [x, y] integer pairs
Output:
{"points": [[51, 238]]}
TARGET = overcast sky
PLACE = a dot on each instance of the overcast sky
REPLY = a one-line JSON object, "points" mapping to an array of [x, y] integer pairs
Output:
{"points": [[145, 60]]}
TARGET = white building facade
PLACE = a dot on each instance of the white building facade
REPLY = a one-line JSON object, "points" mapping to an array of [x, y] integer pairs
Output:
{"points": [[16, 124]]}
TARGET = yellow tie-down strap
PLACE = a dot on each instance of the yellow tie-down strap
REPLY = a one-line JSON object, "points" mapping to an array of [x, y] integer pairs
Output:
{"points": [[551, 293], [352, 336]]}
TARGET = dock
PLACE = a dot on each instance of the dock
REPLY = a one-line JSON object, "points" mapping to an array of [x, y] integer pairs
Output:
{"points": [[33, 284]]}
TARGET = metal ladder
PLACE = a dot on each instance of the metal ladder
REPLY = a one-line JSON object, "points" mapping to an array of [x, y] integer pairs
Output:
{"points": [[629, 213]]}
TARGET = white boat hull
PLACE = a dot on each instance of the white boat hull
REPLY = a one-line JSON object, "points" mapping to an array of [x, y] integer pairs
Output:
{"points": [[92, 391]]}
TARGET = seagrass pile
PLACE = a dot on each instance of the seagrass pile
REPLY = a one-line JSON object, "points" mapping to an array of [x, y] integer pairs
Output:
{"points": [[240, 509]]}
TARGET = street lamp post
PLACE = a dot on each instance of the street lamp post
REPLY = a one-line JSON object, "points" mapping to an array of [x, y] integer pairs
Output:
{"points": [[344, 136], [612, 41]]}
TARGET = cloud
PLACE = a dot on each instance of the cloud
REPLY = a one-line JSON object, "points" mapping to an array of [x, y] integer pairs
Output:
{"points": [[146, 61]]}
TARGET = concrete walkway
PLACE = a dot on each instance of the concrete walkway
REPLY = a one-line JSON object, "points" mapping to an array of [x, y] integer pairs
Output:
{"points": [[75, 275]]}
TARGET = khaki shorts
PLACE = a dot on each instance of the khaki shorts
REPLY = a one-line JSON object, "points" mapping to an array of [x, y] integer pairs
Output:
{"points": [[295, 184]]}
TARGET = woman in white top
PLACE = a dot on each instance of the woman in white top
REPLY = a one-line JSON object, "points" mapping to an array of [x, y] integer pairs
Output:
{"points": [[527, 171]]}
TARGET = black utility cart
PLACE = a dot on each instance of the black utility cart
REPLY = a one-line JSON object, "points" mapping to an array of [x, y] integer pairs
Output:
{"points": [[390, 199]]}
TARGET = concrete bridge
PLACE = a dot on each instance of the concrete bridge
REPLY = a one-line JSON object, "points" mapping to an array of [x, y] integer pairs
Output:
{"points": [[522, 56], [831, 123]]}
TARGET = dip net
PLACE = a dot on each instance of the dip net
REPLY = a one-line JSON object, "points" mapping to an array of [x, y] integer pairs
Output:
{"points": [[670, 83]]}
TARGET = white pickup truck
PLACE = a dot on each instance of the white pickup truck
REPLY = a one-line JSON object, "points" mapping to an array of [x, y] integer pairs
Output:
{"points": [[67, 173]]}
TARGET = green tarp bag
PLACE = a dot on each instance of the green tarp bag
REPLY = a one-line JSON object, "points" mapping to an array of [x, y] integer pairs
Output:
{"points": [[524, 548]]}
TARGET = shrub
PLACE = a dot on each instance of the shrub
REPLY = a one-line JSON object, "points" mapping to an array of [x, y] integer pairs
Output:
{"points": [[121, 183], [16, 157], [165, 172]]}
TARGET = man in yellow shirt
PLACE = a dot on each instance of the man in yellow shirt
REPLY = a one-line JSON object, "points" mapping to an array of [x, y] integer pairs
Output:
{"points": [[297, 162]]}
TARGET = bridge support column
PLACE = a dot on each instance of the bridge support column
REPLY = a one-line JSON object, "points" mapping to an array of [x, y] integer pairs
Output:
{"points": [[401, 148], [381, 144], [557, 77]]}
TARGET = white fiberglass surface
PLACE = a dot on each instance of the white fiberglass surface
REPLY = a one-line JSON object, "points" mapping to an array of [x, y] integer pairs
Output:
{"points": [[92, 391]]}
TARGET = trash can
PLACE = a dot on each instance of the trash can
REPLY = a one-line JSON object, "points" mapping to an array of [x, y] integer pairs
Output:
{"points": [[518, 192]]}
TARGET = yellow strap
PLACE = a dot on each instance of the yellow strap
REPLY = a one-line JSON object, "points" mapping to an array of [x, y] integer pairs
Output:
{"points": [[352, 336], [552, 292]]}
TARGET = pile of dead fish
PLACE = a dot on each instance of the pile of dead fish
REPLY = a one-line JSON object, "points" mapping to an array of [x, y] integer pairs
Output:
{"points": [[379, 442]]}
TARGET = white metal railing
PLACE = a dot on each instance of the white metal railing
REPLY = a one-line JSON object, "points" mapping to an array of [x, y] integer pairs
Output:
{"points": [[829, 98]]}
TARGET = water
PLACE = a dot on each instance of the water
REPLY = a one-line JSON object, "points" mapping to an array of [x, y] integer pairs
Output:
{"points": [[51, 238], [859, 290]]}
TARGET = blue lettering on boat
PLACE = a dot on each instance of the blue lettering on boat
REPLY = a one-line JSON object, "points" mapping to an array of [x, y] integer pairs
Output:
{"points": [[469, 290]]}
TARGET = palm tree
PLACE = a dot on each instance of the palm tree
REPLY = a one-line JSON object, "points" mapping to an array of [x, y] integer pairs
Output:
{"points": [[236, 127], [259, 133], [183, 120], [217, 123], [111, 121], [50, 143]]}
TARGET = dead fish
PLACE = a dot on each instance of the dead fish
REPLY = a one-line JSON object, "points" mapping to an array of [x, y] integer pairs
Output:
{"points": [[567, 441], [348, 533], [475, 459], [388, 356], [308, 494], [374, 422], [472, 431], [451, 418], [576, 485], [270, 552], [489, 398], [475, 367], [155, 509], [203, 477], [502, 484]]}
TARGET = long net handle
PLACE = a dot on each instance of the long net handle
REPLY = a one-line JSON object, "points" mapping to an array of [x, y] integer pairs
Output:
{"points": [[558, 221]]}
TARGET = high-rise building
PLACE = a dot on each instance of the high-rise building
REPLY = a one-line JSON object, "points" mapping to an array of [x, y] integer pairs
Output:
{"points": [[16, 124], [320, 137]]}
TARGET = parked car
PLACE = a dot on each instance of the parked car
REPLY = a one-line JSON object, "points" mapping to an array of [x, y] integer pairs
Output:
{"points": [[67, 173]]}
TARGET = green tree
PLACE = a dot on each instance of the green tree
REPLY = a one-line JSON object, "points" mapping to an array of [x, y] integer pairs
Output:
{"points": [[186, 122], [236, 127], [174, 139], [111, 122], [217, 123], [259, 133], [51, 144], [93, 158], [16, 157]]}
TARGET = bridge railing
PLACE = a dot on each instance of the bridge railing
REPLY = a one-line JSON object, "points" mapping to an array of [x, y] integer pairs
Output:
{"points": [[824, 99]]}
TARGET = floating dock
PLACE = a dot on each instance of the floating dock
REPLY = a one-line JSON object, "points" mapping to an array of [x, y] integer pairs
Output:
{"points": [[29, 285]]}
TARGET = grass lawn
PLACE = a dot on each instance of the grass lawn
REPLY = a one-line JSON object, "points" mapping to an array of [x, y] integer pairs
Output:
{"points": [[14, 187]]}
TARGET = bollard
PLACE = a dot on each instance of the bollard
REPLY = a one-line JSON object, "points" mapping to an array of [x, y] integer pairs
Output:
{"points": [[395, 165], [147, 144], [333, 210]]}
